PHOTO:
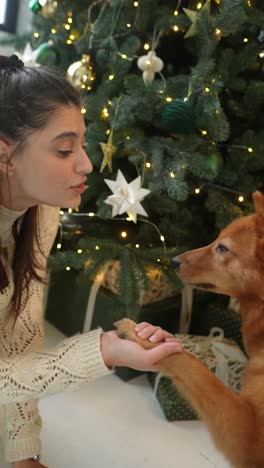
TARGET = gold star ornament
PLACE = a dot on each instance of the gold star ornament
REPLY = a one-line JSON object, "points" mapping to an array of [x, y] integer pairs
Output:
{"points": [[193, 16], [108, 150]]}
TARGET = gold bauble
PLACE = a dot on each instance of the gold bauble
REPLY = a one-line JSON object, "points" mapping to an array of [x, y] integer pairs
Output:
{"points": [[81, 73], [49, 8]]}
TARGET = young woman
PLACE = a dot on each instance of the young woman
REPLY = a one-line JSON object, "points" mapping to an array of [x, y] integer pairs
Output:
{"points": [[43, 166]]}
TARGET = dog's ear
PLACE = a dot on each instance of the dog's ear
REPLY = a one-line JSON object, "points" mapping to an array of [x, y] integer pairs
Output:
{"points": [[258, 199]]}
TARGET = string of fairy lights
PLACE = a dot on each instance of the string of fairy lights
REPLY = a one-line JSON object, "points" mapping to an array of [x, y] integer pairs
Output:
{"points": [[73, 36], [123, 235]]}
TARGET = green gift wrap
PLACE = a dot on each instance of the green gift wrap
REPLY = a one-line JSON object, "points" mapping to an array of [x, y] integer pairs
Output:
{"points": [[67, 304], [174, 406], [222, 356]]}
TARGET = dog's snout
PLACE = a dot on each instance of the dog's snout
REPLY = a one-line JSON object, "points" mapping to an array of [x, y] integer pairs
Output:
{"points": [[176, 263]]}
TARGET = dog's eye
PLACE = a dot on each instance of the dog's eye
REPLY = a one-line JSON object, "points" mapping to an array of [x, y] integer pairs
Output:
{"points": [[221, 248]]}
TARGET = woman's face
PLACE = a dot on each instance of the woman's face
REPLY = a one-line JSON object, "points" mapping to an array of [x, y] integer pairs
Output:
{"points": [[53, 165]]}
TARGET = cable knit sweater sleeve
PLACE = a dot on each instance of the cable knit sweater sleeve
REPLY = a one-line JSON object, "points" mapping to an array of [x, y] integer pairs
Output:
{"points": [[28, 373]]}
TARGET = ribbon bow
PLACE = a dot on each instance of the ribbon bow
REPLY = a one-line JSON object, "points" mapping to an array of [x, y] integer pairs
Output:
{"points": [[223, 352]]}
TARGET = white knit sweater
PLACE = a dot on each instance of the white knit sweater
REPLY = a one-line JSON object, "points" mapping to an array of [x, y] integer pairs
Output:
{"points": [[26, 371]]}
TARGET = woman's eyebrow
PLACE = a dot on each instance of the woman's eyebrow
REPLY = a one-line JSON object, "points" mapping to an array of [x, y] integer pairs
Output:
{"points": [[65, 135]]}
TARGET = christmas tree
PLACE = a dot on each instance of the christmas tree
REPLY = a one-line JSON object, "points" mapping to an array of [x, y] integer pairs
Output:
{"points": [[173, 102]]}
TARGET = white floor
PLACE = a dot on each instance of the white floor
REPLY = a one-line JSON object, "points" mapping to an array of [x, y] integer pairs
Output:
{"points": [[111, 423]]}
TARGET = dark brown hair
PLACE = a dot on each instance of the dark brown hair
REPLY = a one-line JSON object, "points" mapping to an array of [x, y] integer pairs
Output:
{"points": [[28, 98]]}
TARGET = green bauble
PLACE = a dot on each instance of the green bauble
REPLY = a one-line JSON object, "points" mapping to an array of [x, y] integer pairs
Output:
{"points": [[46, 8], [35, 6], [178, 117], [48, 54], [215, 162]]}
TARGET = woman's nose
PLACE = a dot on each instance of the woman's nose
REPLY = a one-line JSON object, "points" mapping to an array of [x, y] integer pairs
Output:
{"points": [[85, 166], [89, 165]]}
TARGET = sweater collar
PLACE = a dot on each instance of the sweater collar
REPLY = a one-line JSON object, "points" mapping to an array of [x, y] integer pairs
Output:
{"points": [[7, 219]]}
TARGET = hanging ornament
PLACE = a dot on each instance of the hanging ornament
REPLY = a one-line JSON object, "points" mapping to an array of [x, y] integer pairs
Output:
{"points": [[35, 6], [28, 56], [193, 16], [45, 8], [126, 197], [178, 116], [150, 64], [108, 150], [45, 54], [215, 163], [49, 8], [81, 73], [48, 54]]}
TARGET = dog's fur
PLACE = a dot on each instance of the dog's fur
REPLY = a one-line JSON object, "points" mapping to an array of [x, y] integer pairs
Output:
{"points": [[232, 265]]}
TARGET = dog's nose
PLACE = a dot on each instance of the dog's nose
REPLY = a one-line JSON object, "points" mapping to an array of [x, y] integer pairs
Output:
{"points": [[176, 263]]}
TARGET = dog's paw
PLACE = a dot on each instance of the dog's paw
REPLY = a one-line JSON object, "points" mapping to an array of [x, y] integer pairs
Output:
{"points": [[126, 329]]}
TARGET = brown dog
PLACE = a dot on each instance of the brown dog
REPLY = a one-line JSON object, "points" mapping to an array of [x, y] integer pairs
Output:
{"points": [[232, 265]]}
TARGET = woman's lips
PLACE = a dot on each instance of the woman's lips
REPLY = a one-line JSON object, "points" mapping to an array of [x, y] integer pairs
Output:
{"points": [[79, 188]]}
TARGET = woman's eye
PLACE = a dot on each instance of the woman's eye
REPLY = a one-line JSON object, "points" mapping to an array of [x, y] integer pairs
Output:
{"points": [[221, 248], [65, 152]]}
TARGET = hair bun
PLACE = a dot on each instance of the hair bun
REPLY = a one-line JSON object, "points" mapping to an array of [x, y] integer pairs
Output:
{"points": [[11, 63]]}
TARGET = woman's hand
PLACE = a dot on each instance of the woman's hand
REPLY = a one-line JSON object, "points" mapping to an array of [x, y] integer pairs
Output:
{"points": [[28, 464], [122, 352]]}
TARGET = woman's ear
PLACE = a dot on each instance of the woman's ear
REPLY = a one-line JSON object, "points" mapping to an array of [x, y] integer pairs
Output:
{"points": [[5, 162]]}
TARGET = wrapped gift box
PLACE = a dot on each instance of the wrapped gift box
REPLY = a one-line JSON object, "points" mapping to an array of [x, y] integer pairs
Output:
{"points": [[222, 356]]}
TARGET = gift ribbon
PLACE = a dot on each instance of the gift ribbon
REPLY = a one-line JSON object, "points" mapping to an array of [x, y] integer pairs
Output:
{"points": [[92, 297], [234, 305], [223, 352], [186, 308]]}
